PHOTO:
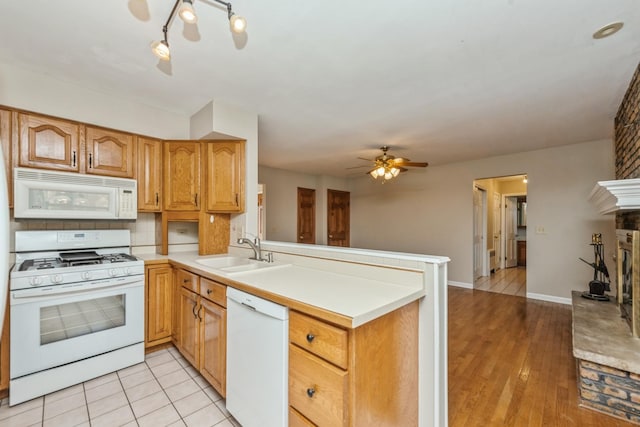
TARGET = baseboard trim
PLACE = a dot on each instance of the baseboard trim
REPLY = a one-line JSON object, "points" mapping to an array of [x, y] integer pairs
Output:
{"points": [[549, 298], [460, 284]]}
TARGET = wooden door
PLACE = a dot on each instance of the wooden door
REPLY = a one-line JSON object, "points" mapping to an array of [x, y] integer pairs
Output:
{"points": [[181, 170], [48, 143], [511, 231], [338, 218], [213, 345], [159, 304], [5, 146], [189, 326], [225, 176], [149, 175], [110, 153], [306, 215]]}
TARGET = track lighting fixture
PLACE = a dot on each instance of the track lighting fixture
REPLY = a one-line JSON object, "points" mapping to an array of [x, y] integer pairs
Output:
{"points": [[187, 13]]}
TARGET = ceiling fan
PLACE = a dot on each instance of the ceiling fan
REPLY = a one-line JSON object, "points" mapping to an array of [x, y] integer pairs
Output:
{"points": [[387, 166]]}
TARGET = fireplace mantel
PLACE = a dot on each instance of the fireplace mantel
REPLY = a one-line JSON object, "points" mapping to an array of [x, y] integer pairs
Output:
{"points": [[617, 195]]}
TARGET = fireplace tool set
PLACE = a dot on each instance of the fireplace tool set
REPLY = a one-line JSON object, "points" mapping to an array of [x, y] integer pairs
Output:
{"points": [[600, 282]]}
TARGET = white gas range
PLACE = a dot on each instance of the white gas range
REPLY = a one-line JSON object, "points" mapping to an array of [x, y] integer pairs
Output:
{"points": [[76, 307]]}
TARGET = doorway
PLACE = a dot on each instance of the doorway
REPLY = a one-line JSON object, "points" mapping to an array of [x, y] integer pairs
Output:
{"points": [[499, 236]]}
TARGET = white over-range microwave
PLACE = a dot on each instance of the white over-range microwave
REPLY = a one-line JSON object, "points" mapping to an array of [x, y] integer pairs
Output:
{"points": [[49, 194]]}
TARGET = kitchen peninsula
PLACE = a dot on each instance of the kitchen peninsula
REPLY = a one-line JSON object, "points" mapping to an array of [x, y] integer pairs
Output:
{"points": [[385, 317]]}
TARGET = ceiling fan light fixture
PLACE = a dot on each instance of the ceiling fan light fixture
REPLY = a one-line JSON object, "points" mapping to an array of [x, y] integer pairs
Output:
{"points": [[187, 13]]}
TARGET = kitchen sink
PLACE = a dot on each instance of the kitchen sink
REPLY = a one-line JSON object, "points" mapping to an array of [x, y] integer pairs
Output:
{"points": [[221, 262], [232, 264]]}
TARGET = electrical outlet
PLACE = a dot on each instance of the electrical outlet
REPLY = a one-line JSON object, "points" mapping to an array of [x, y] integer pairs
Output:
{"points": [[540, 229]]}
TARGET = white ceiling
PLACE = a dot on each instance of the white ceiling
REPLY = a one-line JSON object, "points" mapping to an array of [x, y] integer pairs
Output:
{"points": [[438, 81]]}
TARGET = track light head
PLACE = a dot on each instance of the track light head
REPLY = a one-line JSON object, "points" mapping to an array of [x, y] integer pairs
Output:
{"points": [[161, 50], [237, 23], [187, 13]]}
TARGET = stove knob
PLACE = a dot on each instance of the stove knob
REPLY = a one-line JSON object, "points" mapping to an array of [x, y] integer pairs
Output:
{"points": [[86, 275], [35, 281], [113, 272], [56, 279]]}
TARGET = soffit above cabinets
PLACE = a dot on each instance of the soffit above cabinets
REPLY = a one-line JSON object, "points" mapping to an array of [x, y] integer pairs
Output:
{"points": [[618, 195]]}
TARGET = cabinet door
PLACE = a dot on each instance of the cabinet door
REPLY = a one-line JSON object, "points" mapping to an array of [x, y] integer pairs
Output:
{"points": [[5, 143], [189, 326], [213, 345], [225, 176], [182, 175], [110, 153], [47, 143], [159, 303], [149, 174]]}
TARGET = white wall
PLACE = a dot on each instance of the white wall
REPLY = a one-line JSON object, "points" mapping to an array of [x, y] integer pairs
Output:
{"points": [[24, 89], [431, 212], [281, 201]]}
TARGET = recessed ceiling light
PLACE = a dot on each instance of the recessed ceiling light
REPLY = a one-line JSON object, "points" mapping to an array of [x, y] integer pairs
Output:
{"points": [[608, 30]]}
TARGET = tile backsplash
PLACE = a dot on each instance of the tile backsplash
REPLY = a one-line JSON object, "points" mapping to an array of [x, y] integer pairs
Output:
{"points": [[143, 230]]}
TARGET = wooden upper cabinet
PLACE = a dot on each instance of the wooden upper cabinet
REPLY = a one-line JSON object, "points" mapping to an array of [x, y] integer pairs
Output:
{"points": [[5, 145], [225, 176], [47, 143], [149, 175], [181, 167], [110, 153]]}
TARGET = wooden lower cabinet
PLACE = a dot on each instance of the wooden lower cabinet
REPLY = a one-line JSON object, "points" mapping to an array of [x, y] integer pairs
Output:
{"points": [[377, 383], [159, 305], [213, 345], [522, 253], [201, 334]]}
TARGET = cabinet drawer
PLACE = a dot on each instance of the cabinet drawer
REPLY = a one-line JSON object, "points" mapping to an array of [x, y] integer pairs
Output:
{"points": [[297, 420], [188, 280], [317, 389], [321, 339], [213, 291]]}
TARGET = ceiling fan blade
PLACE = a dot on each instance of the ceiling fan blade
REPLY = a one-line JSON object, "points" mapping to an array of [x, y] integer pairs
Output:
{"points": [[400, 160], [413, 164], [358, 167], [362, 158]]}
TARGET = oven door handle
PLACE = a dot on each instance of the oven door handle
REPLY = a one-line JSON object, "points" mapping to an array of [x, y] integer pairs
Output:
{"points": [[47, 291]]}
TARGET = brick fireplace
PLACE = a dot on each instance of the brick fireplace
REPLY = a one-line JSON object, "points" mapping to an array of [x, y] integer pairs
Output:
{"points": [[607, 355]]}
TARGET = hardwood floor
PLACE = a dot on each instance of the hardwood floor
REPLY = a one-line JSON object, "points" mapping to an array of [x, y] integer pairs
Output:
{"points": [[509, 281], [511, 363]]}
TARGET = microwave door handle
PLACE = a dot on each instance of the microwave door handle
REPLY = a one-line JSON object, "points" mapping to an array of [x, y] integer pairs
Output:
{"points": [[69, 289]]}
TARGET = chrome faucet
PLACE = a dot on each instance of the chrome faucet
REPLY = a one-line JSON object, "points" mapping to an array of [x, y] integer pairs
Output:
{"points": [[255, 245]]}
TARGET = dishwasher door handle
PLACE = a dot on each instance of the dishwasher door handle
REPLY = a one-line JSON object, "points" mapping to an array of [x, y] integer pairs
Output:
{"points": [[249, 306]]}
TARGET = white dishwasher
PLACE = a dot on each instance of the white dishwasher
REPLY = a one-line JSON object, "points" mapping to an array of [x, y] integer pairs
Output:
{"points": [[257, 360]]}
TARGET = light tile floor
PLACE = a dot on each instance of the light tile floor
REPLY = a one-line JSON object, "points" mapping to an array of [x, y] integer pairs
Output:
{"points": [[164, 390]]}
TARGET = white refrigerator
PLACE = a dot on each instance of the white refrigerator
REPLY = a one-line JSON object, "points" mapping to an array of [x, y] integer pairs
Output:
{"points": [[4, 240]]}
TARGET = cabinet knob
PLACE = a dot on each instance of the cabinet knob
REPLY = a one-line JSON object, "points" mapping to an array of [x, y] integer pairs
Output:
{"points": [[186, 280], [310, 337], [209, 291], [311, 391]]}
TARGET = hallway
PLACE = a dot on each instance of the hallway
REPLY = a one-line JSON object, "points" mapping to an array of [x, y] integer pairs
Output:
{"points": [[507, 281]]}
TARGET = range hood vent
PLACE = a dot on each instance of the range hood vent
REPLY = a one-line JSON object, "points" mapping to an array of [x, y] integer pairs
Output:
{"points": [[615, 196]]}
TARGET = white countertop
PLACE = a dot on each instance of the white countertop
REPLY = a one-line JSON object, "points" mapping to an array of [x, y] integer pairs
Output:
{"points": [[360, 299]]}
